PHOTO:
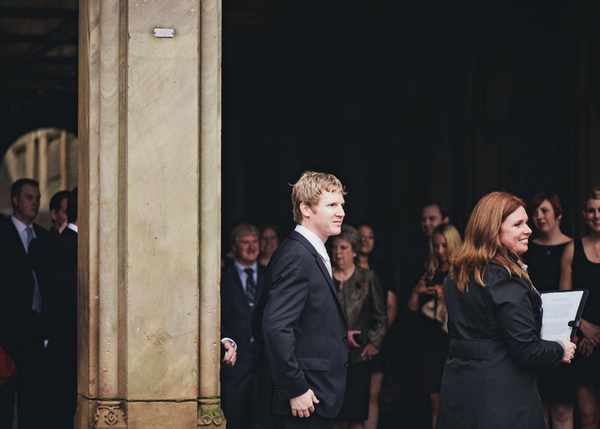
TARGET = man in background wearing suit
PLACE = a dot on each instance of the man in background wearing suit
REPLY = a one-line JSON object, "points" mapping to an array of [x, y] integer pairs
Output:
{"points": [[55, 262], [299, 324], [242, 280], [20, 306], [58, 210]]}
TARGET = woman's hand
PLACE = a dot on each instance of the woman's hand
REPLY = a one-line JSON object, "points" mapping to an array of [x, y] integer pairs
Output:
{"points": [[351, 342], [569, 350], [591, 332], [369, 351], [586, 348], [437, 290], [421, 287]]}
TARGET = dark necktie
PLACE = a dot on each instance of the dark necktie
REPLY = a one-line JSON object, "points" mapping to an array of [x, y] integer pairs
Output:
{"points": [[250, 286], [37, 295]]}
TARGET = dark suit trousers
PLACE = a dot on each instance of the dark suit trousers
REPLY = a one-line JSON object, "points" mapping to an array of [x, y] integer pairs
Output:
{"points": [[7, 404], [27, 384], [60, 365], [239, 400], [315, 421]]}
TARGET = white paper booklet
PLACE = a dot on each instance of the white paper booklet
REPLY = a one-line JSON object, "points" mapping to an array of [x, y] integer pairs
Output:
{"points": [[562, 310]]}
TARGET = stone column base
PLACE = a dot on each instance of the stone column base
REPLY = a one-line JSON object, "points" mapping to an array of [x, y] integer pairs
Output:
{"points": [[210, 414], [110, 415]]}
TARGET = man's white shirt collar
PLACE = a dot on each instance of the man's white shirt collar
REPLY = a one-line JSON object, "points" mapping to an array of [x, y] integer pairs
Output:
{"points": [[316, 243], [21, 227]]}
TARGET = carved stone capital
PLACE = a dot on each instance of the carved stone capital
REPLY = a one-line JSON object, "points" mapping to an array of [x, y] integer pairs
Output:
{"points": [[210, 413], [110, 415]]}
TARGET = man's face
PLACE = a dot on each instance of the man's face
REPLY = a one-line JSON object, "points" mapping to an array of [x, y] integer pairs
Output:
{"points": [[27, 204], [59, 217], [325, 219], [245, 249], [430, 218]]}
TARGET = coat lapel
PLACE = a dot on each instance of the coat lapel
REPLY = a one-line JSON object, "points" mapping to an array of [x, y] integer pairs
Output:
{"points": [[318, 259], [238, 287]]}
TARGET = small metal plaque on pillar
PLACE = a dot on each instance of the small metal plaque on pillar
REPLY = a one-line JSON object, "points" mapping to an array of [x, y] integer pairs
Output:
{"points": [[164, 33]]}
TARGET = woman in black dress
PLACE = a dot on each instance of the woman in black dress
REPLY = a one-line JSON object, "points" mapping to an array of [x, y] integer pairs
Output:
{"points": [[580, 269], [428, 297], [381, 361], [543, 260]]}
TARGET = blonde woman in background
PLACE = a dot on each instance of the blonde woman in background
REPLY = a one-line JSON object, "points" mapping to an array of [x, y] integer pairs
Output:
{"points": [[427, 299]]}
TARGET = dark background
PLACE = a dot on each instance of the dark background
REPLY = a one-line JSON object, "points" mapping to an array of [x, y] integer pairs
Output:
{"points": [[402, 100], [405, 101]]}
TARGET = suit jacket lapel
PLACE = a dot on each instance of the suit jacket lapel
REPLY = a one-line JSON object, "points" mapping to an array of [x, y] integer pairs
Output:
{"points": [[318, 259], [16, 238], [240, 293]]}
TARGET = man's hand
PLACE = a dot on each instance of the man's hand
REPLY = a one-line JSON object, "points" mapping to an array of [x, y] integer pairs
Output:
{"points": [[230, 354], [303, 405]]}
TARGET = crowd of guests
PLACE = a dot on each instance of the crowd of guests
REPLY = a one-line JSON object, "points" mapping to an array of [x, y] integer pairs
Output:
{"points": [[397, 318], [38, 311], [404, 367]]}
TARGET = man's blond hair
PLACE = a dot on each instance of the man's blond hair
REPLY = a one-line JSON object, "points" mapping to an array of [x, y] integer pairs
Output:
{"points": [[308, 190]]}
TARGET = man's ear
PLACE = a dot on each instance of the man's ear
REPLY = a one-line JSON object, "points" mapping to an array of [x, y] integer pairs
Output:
{"points": [[53, 214], [446, 219], [305, 209]]}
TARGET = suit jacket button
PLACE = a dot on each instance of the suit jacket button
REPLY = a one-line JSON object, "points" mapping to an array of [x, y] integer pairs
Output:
{"points": [[346, 364], [345, 338]]}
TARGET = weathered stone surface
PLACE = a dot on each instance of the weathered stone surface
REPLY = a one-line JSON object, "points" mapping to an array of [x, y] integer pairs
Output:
{"points": [[149, 203]]}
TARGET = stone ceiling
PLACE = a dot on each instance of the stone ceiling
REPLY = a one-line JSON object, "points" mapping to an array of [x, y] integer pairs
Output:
{"points": [[38, 38]]}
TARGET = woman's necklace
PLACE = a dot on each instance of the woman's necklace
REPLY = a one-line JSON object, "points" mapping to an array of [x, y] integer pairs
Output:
{"points": [[343, 275], [595, 248]]}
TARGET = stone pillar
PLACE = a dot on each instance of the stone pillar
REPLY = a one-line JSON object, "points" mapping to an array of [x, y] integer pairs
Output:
{"points": [[64, 171], [149, 183], [42, 165], [209, 412]]}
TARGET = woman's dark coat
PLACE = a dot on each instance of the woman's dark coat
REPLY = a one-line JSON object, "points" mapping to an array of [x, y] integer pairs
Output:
{"points": [[489, 378]]}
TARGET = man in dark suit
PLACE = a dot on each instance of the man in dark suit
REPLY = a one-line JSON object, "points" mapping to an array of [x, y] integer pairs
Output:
{"points": [[242, 280], [58, 210], [55, 262], [299, 324], [20, 305]]}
